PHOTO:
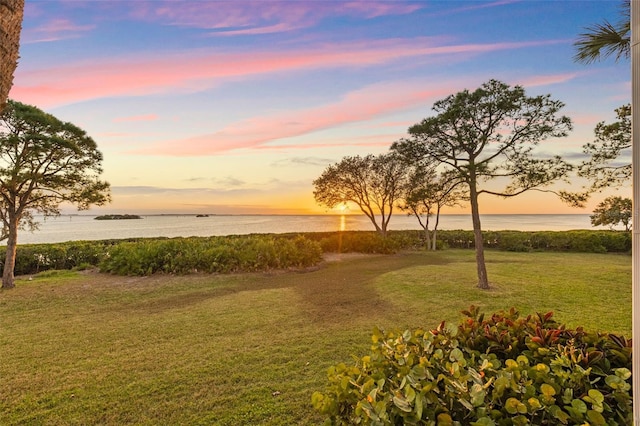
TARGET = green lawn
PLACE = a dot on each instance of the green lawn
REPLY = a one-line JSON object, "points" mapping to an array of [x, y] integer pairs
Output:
{"points": [[89, 348]]}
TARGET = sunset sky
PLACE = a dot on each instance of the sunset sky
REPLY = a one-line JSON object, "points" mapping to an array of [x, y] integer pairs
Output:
{"points": [[237, 106]]}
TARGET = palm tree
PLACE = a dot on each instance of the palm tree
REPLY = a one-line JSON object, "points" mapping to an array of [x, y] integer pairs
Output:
{"points": [[11, 14], [603, 40]]}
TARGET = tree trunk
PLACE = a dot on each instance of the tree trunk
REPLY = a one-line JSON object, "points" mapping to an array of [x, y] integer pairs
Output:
{"points": [[483, 279], [11, 14], [10, 258], [435, 227], [427, 237]]}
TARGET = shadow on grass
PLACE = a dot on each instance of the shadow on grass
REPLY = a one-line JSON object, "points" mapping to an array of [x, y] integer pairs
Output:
{"points": [[334, 292], [343, 291]]}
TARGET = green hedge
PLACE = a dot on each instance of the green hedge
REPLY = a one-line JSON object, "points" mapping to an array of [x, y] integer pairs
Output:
{"points": [[270, 251], [502, 370], [367, 241], [34, 258], [214, 254], [568, 241]]}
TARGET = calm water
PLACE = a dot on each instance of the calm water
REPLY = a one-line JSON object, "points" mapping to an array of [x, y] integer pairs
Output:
{"points": [[69, 228]]}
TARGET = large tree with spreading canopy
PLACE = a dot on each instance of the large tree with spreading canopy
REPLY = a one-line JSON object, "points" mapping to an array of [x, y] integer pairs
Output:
{"points": [[487, 137], [373, 183], [44, 162]]}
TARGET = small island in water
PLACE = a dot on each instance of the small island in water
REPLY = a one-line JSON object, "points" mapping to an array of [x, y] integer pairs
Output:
{"points": [[117, 217]]}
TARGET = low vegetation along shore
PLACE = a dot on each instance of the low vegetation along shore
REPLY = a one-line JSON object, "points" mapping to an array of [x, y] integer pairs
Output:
{"points": [[154, 346]]}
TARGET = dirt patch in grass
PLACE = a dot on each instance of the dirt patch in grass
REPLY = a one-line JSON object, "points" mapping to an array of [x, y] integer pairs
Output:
{"points": [[343, 289]]}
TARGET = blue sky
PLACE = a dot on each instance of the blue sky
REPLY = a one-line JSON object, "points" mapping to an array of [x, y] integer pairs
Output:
{"points": [[236, 106]]}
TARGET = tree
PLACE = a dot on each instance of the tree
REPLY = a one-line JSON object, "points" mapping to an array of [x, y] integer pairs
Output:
{"points": [[44, 162], [611, 140], [489, 135], [373, 183], [11, 15], [606, 39], [599, 42], [425, 194], [613, 211]]}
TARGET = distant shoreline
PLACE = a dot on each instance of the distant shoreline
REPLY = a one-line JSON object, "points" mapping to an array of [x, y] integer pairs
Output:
{"points": [[142, 215], [117, 217]]}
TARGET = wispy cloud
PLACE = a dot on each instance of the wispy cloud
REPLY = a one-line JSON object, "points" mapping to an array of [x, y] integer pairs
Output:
{"points": [[136, 118], [229, 181], [545, 80], [256, 132], [260, 17], [81, 81], [371, 141], [54, 30], [302, 161]]}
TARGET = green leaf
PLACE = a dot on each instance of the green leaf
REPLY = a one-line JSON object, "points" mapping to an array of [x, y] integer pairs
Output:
{"points": [[402, 404], [419, 407], [615, 382], [557, 413], [511, 405], [477, 394], [596, 395], [595, 418], [547, 390], [579, 406], [445, 419], [520, 421], [623, 373], [534, 404], [501, 384], [483, 421]]}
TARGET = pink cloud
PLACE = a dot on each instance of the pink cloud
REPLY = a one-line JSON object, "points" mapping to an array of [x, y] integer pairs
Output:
{"points": [[257, 132], [358, 141], [586, 119], [544, 80], [56, 29], [260, 17], [185, 72], [147, 117], [479, 5]]}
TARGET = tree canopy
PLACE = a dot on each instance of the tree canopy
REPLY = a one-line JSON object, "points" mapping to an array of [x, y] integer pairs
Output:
{"points": [[44, 162], [373, 183], [426, 193], [613, 211], [489, 135], [604, 167]]}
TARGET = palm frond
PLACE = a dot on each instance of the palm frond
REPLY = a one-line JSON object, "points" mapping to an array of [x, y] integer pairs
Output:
{"points": [[603, 40]]}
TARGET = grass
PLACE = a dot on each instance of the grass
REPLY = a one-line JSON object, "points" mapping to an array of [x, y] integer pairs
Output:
{"points": [[89, 348]]}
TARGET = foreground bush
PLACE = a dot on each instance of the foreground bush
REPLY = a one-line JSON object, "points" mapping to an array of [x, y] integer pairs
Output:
{"points": [[502, 370], [215, 254]]}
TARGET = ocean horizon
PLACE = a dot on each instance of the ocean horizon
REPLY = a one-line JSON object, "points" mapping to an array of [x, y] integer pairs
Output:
{"points": [[77, 227]]}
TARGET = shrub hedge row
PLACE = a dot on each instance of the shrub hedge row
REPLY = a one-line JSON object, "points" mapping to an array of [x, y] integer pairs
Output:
{"points": [[214, 254], [568, 241], [600, 241], [502, 370], [269, 251]]}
